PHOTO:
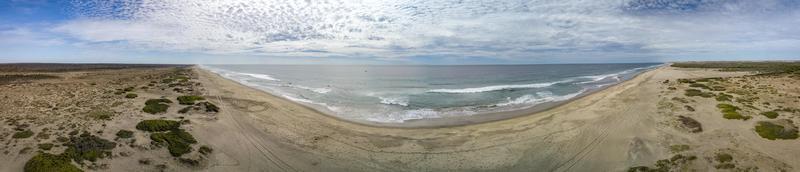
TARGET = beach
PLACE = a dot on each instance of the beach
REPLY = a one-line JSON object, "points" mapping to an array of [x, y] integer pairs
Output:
{"points": [[631, 124]]}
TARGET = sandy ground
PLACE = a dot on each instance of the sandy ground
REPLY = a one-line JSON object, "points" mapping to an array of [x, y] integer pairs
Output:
{"points": [[634, 123], [611, 130]]}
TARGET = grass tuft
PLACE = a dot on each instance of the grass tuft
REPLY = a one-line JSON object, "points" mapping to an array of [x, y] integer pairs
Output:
{"points": [[125, 134], [770, 114], [730, 112], [22, 134], [695, 92], [178, 141], [131, 95], [154, 106]]}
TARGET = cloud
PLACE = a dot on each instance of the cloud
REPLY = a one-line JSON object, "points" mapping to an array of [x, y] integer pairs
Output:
{"points": [[396, 29]]}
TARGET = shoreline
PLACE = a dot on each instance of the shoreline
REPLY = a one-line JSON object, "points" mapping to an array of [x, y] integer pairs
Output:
{"points": [[445, 122]]}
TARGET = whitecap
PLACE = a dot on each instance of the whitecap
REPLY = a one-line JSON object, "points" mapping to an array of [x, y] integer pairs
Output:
{"points": [[259, 76], [394, 101], [494, 88]]}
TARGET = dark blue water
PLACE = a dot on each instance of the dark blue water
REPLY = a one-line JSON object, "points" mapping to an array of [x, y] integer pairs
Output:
{"points": [[398, 93]]}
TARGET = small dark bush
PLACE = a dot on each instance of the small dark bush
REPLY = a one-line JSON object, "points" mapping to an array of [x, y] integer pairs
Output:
{"points": [[125, 134], [723, 157], [131, 95], [185, 109], [724, 97], [685, 81], [205, 150], [679, 148], [45, 162], [689, 108], [22, 134], [689, 123], [178, 141], [210, 107], [725, 166], [88, 148], [770, 114], [157, 125], [155, 108], [157, 101], [45, 146], [772, 131], [189, 100], [100, 114]]}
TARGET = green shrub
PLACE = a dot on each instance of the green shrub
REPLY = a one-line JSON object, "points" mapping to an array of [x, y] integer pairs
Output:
{"points": [[178, 141], [772, 131], [185, 109], [695, 92], [730, 112], [724, 97], [45, 162], [88, 147], [22, 134], [189, 100], [45, 146], [685, 81], [125, 134], [131, 95], [155, 108], [770, 114], [157, 125], [157, 101]]}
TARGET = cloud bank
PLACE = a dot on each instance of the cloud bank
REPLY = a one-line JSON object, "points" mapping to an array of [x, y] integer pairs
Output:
{"points": [[404, 29]]}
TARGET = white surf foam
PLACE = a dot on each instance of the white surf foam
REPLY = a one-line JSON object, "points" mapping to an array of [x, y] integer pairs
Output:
{"points": [[316, 90], [394, 101], [493, 88]]}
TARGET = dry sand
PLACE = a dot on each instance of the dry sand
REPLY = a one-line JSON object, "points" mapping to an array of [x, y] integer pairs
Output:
{"points": [[630, 124]]}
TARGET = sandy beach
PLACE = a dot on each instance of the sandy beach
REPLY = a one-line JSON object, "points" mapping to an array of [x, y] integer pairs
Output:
{"points": [[635, 123]]}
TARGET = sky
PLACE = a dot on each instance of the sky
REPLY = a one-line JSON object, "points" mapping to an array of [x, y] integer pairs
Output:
{"points": [[397, 31]]}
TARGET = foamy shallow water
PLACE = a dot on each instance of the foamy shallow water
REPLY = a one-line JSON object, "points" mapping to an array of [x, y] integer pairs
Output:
{"points": [[393, 94]]}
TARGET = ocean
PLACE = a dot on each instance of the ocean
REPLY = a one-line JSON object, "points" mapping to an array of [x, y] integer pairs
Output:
{"points": [[394, 94]]}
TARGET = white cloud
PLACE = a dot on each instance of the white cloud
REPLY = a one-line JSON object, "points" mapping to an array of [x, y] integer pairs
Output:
{"points": [[390, 29]]}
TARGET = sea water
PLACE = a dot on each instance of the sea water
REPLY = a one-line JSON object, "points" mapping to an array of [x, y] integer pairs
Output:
{"points": [[394, 94]]}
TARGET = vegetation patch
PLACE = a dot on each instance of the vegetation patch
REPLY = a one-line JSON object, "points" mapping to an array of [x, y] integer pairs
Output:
{"points": [[723, 157], [730, 112], [695, 92], [685, 81], [699, 85], [22, 134], [189, 100], [125, 134], [205, 150], [770, 114], [45, 162], [88, 147], [154, 106], [210, 107], [771, 131], [691, 124], [672, 164], [157, 125], [186, 109], [724, 97], [131, 95], [100, 114], [45, 146], [178, 141]]}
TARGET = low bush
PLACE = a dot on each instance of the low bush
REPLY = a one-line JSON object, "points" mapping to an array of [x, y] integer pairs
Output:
{"points": [[685, 81], [691, 124], [88, 147], [45, 162], [154, 106], [45, 146], [730, 112], [205, 150], [772, 131], [22, 134], [178, 141], [189, 100], [723, 157], [210, 107], [157, 101], [125, 134], [770, 114], [185, 109], [724, 97], [695, 92], [679, 148], [131, 95], [157, 125], [100, 114]]}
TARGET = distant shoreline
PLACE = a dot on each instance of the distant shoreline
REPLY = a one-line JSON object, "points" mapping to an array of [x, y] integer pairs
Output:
{"points": [[448, 121]]}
